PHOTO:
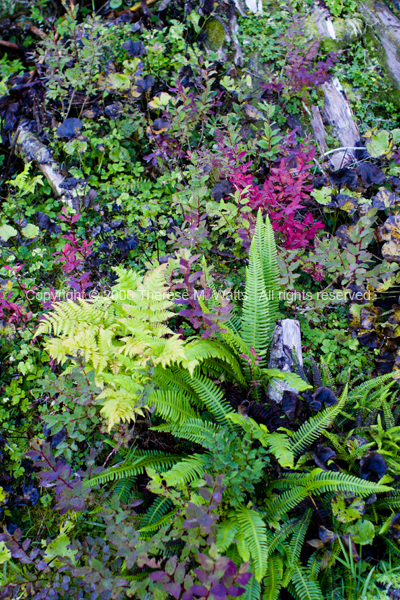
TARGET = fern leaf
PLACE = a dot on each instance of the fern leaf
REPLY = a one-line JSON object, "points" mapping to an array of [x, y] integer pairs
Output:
{"points": [[172, 406], [329, 481], [159, 507], [136, 467], [256, 320], [164, 520], [297, 540], [285, 502], [185, 470], [210, 394], [253, 590], [253, 529], [305, 588], [281, 447], [194, 430], [312, 429], [273, 578], [123, 488], [226, 534]]}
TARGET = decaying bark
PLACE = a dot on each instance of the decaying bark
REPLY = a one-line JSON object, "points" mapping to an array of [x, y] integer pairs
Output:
{"points": [[286, 342], [385, 27], [318, 127], [30, 149], [336, 112]]}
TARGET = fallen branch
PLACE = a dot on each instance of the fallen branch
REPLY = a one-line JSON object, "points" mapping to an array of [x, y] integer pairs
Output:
{"points": [[30, 149], [10, 45]]}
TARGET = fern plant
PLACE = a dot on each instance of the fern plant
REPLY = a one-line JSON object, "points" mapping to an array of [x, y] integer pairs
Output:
{"points": [[126, 340]]}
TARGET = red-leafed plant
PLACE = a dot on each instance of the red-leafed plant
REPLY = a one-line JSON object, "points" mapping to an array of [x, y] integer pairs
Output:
{"points": [[282, 195], [74, 255]]}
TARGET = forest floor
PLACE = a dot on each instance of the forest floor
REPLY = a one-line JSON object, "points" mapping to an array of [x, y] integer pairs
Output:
{"points": [[176, 178]]}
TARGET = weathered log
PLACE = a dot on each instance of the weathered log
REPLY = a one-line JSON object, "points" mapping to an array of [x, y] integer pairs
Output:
{"points": [[384, 26], [30, 149], [286, 342], [336, 112], [319, 129]]}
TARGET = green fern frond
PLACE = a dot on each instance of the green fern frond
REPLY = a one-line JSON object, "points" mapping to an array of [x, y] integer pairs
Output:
{"points": [[329, 481], [285, 502], [281, 447], [312, 429], [136, 467], [185, 470], [162, 521], [172, 379], [306, 589], [365, 388], [327, 377], [172, 406], [226, 534], [260, 299], [276, 538], [194, 430], [123, 488], [297, 539], [273, 579], [158, 509], [253, 590], [210, 395], [201, 350], [253, 529]]}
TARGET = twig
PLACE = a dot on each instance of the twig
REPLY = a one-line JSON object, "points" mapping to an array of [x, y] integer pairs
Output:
{"points": [[10, 45], [38, 32], [343, 148]]}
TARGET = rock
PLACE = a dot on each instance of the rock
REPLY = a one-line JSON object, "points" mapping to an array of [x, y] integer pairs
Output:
{"points": [[383, 27], [286, 338], [254, 6], [215, 34]]}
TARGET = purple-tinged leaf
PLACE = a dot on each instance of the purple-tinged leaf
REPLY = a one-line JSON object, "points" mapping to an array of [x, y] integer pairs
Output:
{"points": [[199, 590], [158, 576], [170, 565], [235, 591], [218, 591], [244, 578], [206, 562], [174, 589]]}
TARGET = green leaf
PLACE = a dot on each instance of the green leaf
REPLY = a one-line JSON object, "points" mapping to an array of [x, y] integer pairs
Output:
{"points": [[346, 507], [362, 532], [380, 144], [322, 196], [396, 136], [6, 231], [30, 231], [5, 554], [115, 3]]}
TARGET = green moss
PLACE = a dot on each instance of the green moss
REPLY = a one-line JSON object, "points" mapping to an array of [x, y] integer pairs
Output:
{"points": [[215, 33]]}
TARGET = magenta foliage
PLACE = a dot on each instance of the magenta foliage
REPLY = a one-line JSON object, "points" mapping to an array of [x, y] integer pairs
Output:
{"points": [[70, 494], [74, 254], [14, 312], [282, 195], [300, 70]]}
